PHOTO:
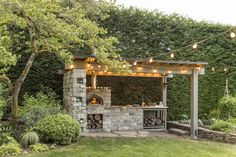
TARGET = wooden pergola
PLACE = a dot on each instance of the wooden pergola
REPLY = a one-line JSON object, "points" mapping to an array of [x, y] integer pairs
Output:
{"points": [[150, 68]]}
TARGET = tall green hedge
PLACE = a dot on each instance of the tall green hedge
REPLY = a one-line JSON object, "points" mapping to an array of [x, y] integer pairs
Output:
{"points": [[144, 34]]}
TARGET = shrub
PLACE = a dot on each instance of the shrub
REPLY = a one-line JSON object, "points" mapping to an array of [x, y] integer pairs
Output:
{"points": [[39, 147], [214, 114], [59, 128], [10, 147], [38, 107], [227, 107], [221, 125], [5, 139], [3, 99], [232, 120], [29, 138]]}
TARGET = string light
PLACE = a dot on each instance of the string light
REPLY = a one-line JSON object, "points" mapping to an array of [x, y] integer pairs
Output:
{"points": [[172, 55], [151, 60], [105, 71], [99, 66], [155, 70], [232, 35], [195, 46], [88, 65], [213, 69], [135, 63], [225, 69], [169, 71], [139, 68], [124, 66]]}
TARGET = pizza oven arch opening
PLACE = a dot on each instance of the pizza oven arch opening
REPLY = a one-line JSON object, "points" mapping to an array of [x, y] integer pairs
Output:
{"points": [[95, 100]]}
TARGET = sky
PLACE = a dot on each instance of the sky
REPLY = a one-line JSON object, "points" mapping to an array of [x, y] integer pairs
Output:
{"points": [[216, 11]]}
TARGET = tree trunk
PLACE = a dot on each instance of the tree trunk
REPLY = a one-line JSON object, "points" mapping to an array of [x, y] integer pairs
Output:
{"points": [[17, 87]]}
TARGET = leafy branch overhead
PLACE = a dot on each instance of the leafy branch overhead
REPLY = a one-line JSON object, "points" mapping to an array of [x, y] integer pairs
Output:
{"points": [[53, 26], [57, 26]]}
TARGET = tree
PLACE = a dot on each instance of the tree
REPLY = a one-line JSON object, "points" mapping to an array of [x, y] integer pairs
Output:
{"points": [[54, 26]]}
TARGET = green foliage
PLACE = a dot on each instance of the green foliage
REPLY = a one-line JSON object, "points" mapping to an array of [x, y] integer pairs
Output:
{"points": [[227, 107], [9, 147], [5, 128], [59, 128], [5, 139], [232, 120], [214, 114], [39, 147], [38, 107], [3, 100], [29, 138], [221, 125]]}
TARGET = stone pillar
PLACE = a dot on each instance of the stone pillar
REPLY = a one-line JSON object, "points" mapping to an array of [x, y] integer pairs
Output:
{"points": [[74, 87]]}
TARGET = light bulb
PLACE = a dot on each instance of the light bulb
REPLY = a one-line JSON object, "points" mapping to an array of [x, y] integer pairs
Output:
{"points": [[172, 55], [139, 68], [135, 63], [124, 66], [225, 69], [155, 70], [232, 35], [150, 60], [169, 71], [99, 66], [195, 45], [213, 69]]}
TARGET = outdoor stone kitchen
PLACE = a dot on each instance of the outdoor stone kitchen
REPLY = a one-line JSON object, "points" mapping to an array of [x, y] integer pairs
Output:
{"points": [[91, 104]]}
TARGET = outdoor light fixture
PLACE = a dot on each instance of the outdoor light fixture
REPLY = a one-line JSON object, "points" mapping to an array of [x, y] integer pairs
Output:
{"points": [[172, 55], [232, 35], [195, 45], [81, 121], [155, 70], [139, 68]]}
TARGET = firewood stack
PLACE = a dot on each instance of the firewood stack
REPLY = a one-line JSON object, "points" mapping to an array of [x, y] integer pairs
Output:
{"points": [[94, 121], [152, 122]]}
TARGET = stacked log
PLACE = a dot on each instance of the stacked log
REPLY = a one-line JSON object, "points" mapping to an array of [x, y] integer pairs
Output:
{"points": [[94, 121], [153, 122]]}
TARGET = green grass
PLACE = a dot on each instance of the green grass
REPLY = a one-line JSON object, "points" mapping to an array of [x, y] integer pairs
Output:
{"points": [[141, 147]]}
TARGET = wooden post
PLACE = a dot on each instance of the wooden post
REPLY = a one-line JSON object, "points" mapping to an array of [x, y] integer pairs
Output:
{"points": [[93, 80], [164, 97], [164, 90], [194, 104]]}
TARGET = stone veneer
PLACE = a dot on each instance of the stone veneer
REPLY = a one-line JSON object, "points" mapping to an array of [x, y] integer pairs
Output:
{"points": [[114, 117], [74, 93]]}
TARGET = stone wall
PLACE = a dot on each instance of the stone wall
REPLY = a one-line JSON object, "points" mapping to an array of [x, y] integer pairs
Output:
{"points": [[206, 133], [126, 118], [74, 94]]}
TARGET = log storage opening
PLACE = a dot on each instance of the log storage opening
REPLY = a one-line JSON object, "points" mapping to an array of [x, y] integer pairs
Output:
{"points": [[153, 119], [94, 121]]}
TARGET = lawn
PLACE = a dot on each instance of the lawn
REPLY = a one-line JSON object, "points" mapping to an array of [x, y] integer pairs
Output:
{"points": [[141, 147]]}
